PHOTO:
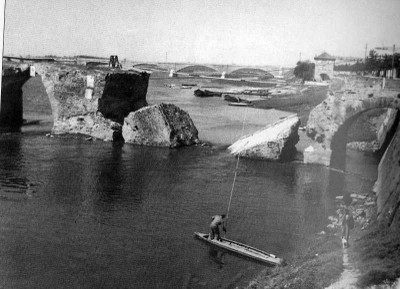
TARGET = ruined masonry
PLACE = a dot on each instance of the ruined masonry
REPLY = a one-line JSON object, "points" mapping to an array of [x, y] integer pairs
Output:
{"points": [[94, 103]]}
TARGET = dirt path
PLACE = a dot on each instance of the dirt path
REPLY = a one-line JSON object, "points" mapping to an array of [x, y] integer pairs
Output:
{"points": [[349, 276]]}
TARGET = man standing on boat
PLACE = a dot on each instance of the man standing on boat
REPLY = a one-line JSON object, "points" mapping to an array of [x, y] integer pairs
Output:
{"points": [[217, 220]]}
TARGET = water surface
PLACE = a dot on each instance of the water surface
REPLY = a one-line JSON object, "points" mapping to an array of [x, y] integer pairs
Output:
{"points": [[78, 214]]}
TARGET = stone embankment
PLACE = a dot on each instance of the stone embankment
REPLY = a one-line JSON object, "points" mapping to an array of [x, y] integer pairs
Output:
{"points": [[91, 102], [387, 186]]}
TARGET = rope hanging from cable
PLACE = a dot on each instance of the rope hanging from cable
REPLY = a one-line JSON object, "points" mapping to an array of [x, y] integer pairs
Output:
{"points": [[236, 169]]}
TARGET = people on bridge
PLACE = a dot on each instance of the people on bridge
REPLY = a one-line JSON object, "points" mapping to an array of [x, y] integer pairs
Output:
{"points": [[217, 221], [114, 62]]}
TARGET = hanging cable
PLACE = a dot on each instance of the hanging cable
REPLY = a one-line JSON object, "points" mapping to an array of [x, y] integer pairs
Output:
{"points": [[236, 169]]}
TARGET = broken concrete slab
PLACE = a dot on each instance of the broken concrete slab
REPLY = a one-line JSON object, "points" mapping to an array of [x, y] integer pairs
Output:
{"points": [[275, 142]]}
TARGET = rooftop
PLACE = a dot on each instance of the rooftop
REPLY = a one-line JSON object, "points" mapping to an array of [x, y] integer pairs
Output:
{"points": [[325, 56]]}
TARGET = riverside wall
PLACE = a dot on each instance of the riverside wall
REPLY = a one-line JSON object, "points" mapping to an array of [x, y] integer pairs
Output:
{"points": [[387, 186]]}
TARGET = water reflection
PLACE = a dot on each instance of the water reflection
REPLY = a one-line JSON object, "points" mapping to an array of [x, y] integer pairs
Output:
{"points": [[217, 256], [336, 183], [109, 179], [10, 151], [12, 178]]}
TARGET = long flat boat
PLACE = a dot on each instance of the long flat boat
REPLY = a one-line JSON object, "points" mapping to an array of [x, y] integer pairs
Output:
{"points": [[240, 104], [242, 249]]}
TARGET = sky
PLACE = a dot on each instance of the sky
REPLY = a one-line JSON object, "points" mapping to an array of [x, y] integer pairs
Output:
{"points": [[248, 32]]}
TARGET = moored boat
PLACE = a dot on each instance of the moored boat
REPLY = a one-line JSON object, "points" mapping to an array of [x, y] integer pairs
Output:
{"points": [[240, 104], [206, 93], [242, 249]]}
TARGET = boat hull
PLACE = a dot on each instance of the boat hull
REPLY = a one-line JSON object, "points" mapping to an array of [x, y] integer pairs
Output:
{"points": [[240, 104], [242, 249]]}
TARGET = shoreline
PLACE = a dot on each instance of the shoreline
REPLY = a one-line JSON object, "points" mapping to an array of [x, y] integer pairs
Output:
{"points": [[371, 260]]}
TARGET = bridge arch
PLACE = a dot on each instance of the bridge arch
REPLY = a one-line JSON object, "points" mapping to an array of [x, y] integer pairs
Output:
{"points": [[351, 114], [251, 71], [198, 69]]}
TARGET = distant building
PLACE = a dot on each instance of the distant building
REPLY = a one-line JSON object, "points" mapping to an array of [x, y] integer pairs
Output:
{"points": [[324, 64], [386, 50]]}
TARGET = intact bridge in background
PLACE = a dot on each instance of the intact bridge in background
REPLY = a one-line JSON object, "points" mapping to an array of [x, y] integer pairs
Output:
{"points": [[176, 67], [192, 68]]}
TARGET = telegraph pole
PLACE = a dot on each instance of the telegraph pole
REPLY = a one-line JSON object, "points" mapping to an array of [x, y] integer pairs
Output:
{"points": [[2, 27], [365, 56], [394, 47]]}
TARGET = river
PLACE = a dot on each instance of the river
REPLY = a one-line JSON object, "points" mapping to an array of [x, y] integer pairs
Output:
{"points": [[91, 214]]}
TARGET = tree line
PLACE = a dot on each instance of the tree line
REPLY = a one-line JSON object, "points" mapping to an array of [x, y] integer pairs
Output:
{"points": [[373, 64], [304, 70]]}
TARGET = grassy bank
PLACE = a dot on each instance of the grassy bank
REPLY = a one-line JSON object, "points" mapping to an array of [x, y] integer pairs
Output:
{"points": [[317, 266], [376, 254]]}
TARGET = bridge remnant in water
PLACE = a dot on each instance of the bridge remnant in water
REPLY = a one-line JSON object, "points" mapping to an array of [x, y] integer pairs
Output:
{"points": [[11, 107], [330, 121], [90, 102]]}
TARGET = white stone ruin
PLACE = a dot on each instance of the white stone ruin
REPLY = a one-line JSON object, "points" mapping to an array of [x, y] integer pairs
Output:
{"points": [[32, 71], [89, 87]]}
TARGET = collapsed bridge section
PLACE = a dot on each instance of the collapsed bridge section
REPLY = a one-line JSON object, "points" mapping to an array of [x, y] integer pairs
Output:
{"points": [[90, 102], [95, 103]]}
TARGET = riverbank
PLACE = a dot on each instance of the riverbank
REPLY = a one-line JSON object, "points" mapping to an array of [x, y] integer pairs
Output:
{"points": [[315, 267], [371, 260]]}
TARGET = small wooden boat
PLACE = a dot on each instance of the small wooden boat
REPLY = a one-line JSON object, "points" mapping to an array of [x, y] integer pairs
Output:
{"points": [[240, 104], [242, 249], [206, 93], [233, 98]]}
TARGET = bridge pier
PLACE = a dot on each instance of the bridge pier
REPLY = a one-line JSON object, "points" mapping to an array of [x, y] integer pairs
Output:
{"points": [[82, 101], [11, 107]]}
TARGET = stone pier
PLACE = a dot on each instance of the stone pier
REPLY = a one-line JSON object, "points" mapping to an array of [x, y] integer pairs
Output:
{"points": [[114, 94], [11, 107]]}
